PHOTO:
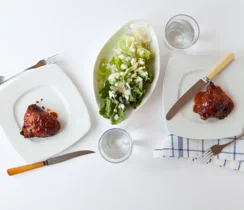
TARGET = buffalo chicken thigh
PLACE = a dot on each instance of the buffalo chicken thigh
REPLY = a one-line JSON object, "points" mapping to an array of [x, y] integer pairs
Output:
{"points": [[213, 103], [39, 123]]}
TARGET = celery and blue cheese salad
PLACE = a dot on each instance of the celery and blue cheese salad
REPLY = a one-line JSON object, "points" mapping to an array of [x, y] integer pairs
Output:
{"points": [[125, 78]]}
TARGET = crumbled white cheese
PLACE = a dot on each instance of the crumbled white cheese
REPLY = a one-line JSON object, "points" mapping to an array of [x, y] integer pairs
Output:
{"points": [[121, 87], [118, 51], [129, 80], [128, 58], [140, 52], [138, 79], [120, 99], [133, 75], [123, 66], [121, 106], [113, 77], [111, 67], [143, 73], [111, 94], [116, 117], [135, 66], [133, 61], [122, 73], [127, 94], [141, 61], [115, 110], [121, 56], [132, 49]]}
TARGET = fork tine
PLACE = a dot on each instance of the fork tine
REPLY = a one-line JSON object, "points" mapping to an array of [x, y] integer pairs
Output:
{"points": [[207, 158], [204, 154], [52, 60]]}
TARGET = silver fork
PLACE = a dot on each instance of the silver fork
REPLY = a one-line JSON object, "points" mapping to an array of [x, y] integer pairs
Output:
{"points": [[215, 150], [51, 60]]}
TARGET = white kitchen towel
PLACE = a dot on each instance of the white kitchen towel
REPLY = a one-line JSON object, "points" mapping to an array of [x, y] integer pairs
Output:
{"points": [[180, 147]]}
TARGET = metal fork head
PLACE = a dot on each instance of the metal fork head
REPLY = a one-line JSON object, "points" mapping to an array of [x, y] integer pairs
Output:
{"points": [[206, 156], [52, 60]]}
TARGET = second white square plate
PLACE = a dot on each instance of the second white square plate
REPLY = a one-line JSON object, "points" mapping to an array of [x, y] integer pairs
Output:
{"points": [[59, 94], [182, 72]]}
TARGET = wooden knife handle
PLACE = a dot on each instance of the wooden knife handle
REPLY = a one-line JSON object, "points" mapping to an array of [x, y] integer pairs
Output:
{"points": [[230, 57], [21, 169]]}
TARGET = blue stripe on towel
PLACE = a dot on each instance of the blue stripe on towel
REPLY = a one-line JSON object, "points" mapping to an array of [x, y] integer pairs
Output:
{"points": [[239, 165], [180, 146], [195, 150], [202, 146], [172, 144], [224, 163], [188, 144], [234, 150]]}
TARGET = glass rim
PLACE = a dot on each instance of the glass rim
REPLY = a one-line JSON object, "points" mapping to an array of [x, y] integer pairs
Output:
{"points": [[184, 15], [120, 160]]}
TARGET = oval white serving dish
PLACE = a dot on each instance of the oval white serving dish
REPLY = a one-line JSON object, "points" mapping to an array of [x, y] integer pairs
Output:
{"points": [[107, 52]]}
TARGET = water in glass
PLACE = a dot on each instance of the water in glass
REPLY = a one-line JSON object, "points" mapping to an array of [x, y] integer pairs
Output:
{"points": [[180, 34], [115, 145]]}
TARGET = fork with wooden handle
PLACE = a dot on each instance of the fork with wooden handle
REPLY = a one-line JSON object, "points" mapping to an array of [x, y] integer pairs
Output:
{"points": [[215, 150], [43, 62]]}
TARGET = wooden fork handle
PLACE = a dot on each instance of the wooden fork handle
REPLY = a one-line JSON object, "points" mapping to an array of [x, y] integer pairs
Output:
{"points": [[38, 64], [21, 169]]}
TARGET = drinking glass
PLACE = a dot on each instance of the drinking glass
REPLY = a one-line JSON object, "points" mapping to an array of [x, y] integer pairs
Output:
{"points": [[115, 145], [181, 32]]}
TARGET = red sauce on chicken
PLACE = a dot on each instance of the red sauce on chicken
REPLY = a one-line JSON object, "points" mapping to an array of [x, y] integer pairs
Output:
{"points": [[213, 103]]}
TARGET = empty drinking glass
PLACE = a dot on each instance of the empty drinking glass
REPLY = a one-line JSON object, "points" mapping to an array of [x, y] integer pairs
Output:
{"points": [[181, 32], [115, 145]]}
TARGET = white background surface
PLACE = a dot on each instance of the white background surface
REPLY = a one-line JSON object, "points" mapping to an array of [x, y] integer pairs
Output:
{"points": [[30, 30]]}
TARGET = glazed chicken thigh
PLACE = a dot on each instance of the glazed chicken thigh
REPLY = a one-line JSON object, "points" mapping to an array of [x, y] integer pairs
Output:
{"points": [[39, 123], [213, 103]]}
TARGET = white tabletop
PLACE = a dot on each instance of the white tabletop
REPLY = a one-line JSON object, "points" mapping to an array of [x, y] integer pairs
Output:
{"points": [[30, 30]]}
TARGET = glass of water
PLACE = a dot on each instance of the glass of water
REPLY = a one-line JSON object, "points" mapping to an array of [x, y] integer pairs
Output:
{"points": [[115, 145], [181, 32]]}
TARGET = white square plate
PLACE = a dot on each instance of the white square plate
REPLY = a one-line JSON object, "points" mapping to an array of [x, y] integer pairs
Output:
{"points": [[59, 94], [182, 72]]}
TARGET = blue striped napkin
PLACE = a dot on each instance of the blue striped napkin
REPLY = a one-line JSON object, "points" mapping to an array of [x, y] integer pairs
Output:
{"points": [[179, 147]]}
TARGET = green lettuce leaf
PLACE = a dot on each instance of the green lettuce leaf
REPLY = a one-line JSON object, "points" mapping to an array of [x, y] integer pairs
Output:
{"points": [[104, 91], [121, 117], [104, 72]]}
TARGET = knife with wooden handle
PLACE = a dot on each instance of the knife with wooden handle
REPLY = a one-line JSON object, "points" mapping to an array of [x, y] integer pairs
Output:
{"points": [[200, 84], [51, 161]]}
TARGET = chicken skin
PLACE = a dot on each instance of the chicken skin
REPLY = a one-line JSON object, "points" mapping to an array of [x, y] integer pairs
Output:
{"points": [[213, 103], [39, 123]]}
